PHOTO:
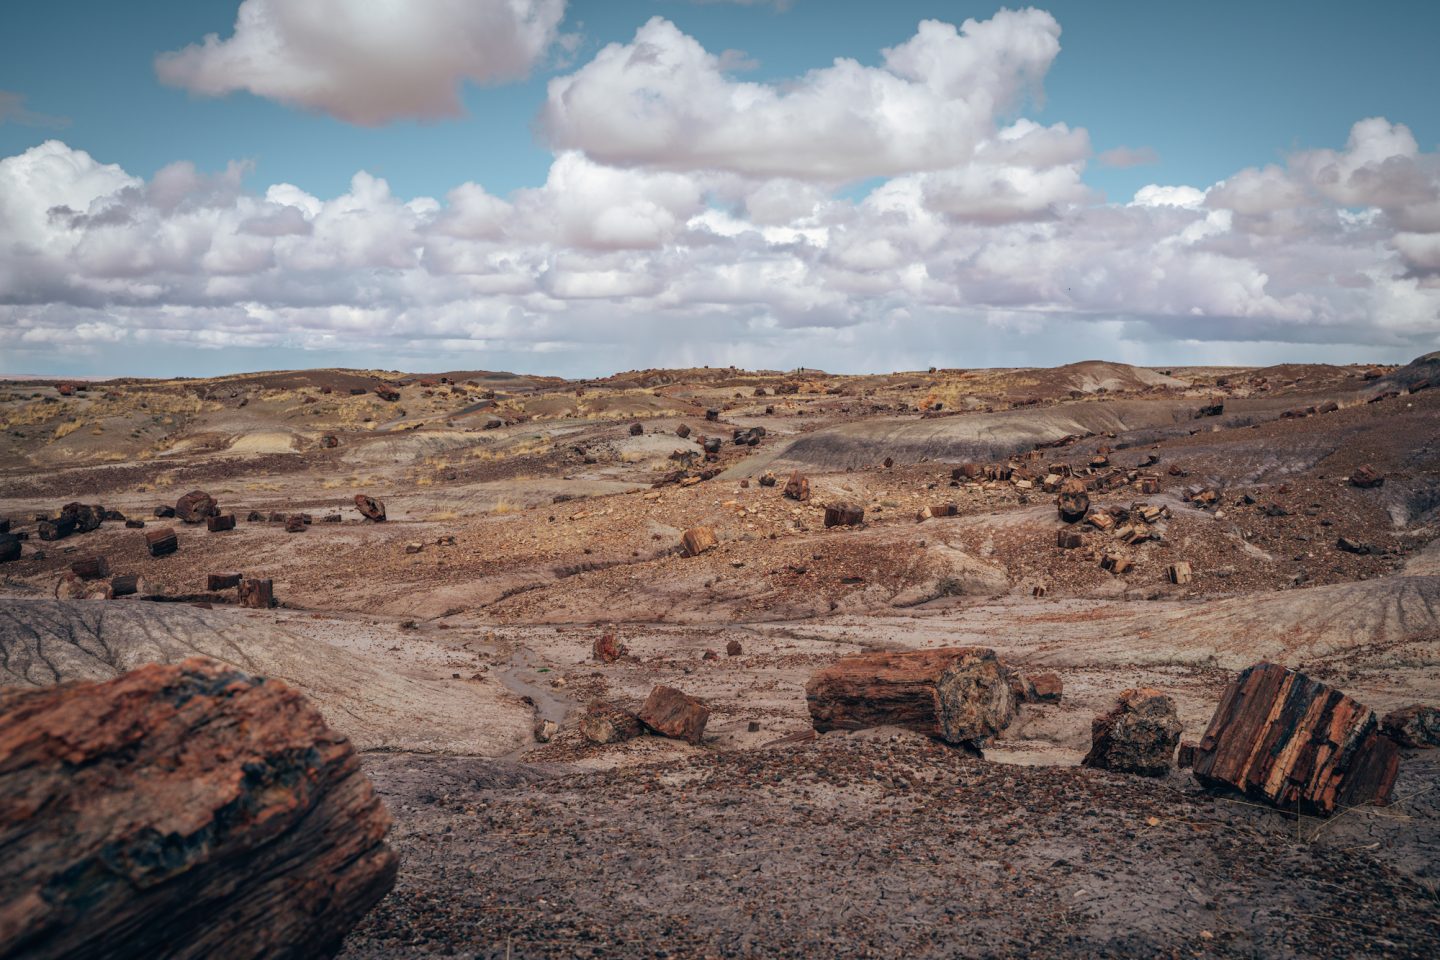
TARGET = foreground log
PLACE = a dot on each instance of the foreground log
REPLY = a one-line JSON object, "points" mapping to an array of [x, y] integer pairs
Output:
{"points": [[125, 585], [195, 507], [959, 694], [673, 714], [91, 568], [1073, 500], [183, 810], [1296, 743], [161, 541], [9, 547], [1138, 735], [844, 515], [370, 508], [258, 594]]}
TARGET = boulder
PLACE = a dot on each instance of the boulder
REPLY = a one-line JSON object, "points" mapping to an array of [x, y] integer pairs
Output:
{"points": [[370, 508], [1073, 500], [606, 723], [961, 695], [673, 714], [1138, 735], [183, 810], [1295, 743], [195, 506], [1413, 726]]}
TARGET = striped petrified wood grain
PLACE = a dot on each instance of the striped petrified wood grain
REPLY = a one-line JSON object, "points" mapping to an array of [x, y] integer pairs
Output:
{"points": [[1296, 743]]}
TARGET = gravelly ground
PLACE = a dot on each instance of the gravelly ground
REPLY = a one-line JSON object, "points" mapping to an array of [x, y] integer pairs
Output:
{"points": [[887, 845]]}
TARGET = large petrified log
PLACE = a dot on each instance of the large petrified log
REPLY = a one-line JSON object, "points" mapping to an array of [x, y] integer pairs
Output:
{"points": [[959, 694], [1293, 742], [161, 541], [1073, 500], [196, 506], [370, 508], [182, 810], [674, 714]]}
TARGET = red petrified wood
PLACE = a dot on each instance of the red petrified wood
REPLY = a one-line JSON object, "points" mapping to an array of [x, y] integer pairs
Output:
{"points": [[1293, 742], [182, 810], [673, 714]]}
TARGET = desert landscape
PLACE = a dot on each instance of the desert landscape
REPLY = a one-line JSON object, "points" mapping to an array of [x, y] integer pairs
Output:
{"points": [[718, 662]]}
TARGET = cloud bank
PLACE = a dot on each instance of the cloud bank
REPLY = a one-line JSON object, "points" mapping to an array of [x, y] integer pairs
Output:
{"points": [[705, 220]]}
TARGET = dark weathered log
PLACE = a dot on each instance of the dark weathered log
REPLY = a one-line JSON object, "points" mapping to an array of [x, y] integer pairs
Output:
{"points": [[161, 541], [195, 506], [186, 811], [844, 515], [636, 429], [164, 512], [1416, 726], [959, 694], [1067, 539], [295, 524], [4, 524], [124, 585], [9, 547], [87, 516], [220, 523], [673, 714], [259, 594], [1138, 735], [370, 508], [1293, 742], [134, 524], [1073, 500], [682, 431], [91, 568], [223, 581], [57, 529]]}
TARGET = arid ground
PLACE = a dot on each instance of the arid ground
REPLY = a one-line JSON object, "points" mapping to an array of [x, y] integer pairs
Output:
{"points": [[529, 516]]}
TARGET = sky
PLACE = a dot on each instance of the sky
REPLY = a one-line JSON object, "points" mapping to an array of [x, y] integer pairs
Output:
{"points": [[206, 186]]}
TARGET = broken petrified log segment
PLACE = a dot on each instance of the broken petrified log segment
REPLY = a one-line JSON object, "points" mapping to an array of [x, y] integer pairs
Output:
{"points": [[958, 694], [164, 513], [733, 648], [370, 508], [1185, 760], [1138, 735], [797, 487], [195, 506], [1179, 573], [257, 594], [9, 547], [682, 431], [1048, 687], [124, 585], [87, 516], [91, 568], [1367, 477], [673, 714], [1068, 539], [295, 524], [608, 649], [161, 541], [182, 810], [1416, 726], [844, 515], [606, 723], [697, 540], [222, 581], [57, 529], [220, 523], [1073, 500], [135, 524], [1296, 743]]}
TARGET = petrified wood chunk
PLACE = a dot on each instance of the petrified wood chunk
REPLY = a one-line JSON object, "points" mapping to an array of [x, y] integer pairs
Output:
{"points": [[1296, 743], [9, 547], [1367, 477], [673, 714], [196, 506], [91, 568], [606, 723], [161, 541], [697, 540], [959, 694], [125, 585], [1073, 500], [844, 515], [87, 516], [370, 508], [57, 529], [1138, 735], [222, 581], [1414, 726], [220, 523], [182, 810], [259, 594], [797, 487]]}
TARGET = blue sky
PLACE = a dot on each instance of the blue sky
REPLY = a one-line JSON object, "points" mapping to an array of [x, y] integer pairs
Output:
{"points": [[1209, 89]]}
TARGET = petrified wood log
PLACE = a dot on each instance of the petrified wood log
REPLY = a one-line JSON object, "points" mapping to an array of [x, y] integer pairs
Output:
{"points": [[222, 581], [606, 723], [1073, 500], [57, 529], [259, 594], [195, 507], [125, 585], [697, 540], [1367, 477], [183, 810], [673, 714], [844, 515], [959, 694], [161, 541], [797, 487], [1137, 735], [91, 568], [370, 508], [1293, 742], [220, 522], [87, 516], [9, 547], [1415, 726]]}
